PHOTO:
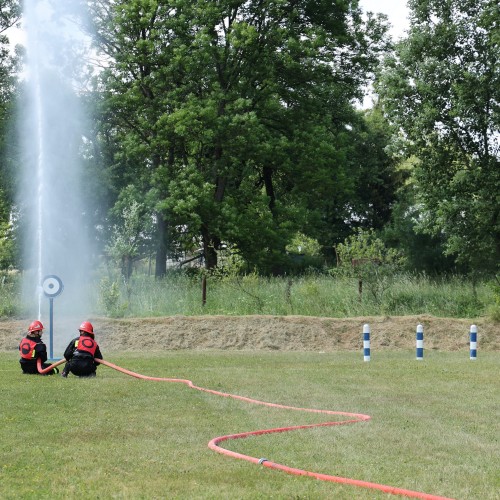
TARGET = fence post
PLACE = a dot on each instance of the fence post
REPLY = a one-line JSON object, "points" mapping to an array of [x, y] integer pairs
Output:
{"points": [[366, 342], [420, 342], [473, 342], [203, 290]]}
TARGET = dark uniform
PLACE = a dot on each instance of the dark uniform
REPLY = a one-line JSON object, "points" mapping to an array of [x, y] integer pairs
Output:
{"points": [[81, 353], [31, 348]]}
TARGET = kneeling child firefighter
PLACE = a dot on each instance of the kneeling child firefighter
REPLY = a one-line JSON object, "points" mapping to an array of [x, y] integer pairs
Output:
{"points": [[31, 348], [81, 353]]}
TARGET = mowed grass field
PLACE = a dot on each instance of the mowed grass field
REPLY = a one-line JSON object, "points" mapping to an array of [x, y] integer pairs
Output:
{"points": [[434, 428]]}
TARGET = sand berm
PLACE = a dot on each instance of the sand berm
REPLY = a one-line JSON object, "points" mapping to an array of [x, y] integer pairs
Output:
{"points": [[285, 333]]}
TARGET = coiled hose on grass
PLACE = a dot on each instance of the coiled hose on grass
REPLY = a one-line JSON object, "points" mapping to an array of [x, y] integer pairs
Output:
{"points": [[214, 443]]}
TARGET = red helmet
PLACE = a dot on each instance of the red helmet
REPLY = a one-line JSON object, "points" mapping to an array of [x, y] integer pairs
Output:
{"points": [[36, 326], [87, 327]]}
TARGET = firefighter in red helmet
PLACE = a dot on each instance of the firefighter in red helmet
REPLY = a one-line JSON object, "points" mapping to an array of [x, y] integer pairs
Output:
{"points": [[31, 348], [81, 353]]}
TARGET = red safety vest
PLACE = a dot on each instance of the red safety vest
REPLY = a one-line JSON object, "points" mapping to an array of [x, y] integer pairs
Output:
{"points": [[86, 344], [27, 348]]}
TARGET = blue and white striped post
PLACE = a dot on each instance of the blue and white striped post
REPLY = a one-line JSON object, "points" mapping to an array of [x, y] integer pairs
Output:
{"points": [[473, 342], [420, 342], [366, 342]]}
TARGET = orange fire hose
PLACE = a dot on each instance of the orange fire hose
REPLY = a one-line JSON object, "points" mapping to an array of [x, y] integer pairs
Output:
{"points": [[43, 371], [214, 443]]}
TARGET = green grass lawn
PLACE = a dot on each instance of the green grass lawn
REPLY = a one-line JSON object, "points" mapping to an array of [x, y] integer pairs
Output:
{"points": [[434, 428]]}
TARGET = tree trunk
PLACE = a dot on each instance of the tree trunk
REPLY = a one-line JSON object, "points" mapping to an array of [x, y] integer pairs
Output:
{"points": [[126, 267], [210, 245], [161, 248], [267, 173]]}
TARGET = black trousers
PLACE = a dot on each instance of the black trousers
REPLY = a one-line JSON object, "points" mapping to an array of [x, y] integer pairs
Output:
{"points": [[81, 367], [31, 369]]}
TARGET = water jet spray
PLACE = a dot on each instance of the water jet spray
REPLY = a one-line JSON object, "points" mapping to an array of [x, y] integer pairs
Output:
{"points": [[54, 188]]}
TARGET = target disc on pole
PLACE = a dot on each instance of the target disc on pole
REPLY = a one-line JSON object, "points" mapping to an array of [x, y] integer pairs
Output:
{"points": [[52, 285]]}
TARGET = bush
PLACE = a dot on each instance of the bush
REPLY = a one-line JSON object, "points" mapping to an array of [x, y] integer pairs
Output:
{"points": [[109, 298], [9, 293], [494, 309]]}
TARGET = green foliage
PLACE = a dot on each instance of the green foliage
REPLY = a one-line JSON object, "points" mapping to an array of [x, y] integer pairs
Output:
{"points": [[365, 257], [131, 235], [364, 245], [247, 136], [494, 309], [180, 292], [109, 298], [372, 174], [423, 252], [313, 294], [8, 243], [8, 247], [230, 264], [9, 294], [441, 91], [303, 244], [237, 133], [9, 17]]}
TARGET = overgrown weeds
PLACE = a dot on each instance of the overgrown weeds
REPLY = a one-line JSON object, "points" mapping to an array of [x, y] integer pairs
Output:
{"points": [[337, 295], [312, 295]]}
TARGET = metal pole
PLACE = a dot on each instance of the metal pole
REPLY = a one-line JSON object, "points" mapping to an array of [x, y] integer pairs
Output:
{"points": [[51, 329]]}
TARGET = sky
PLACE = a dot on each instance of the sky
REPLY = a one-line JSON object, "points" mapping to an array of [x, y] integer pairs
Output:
{"points": [[397, 14], [396, 10]]}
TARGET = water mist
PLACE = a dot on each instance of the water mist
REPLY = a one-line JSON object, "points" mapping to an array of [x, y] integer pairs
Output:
{"points": [[52, 192]]}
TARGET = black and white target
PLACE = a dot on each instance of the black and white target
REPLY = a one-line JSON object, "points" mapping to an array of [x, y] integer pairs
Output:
{"points": [[52, 285]]}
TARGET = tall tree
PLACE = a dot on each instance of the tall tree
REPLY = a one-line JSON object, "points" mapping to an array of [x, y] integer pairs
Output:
{"points": [[372, 172], [143, 43], [230, 112], [442, 91], [10, 13]]}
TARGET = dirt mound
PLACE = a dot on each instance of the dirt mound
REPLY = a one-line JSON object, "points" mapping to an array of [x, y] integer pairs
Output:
{"points": [[287, 333]]}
